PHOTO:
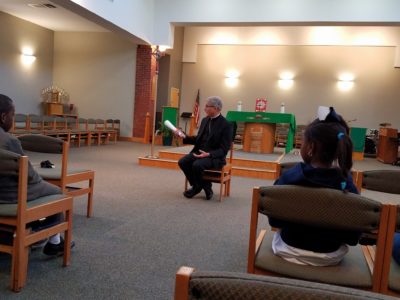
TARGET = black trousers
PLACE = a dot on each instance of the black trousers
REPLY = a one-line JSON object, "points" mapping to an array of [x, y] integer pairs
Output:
{"points": [[193, 169]]}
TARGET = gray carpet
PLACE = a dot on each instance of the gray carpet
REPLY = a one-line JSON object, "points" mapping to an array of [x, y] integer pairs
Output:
{"points": [[142, 231]]}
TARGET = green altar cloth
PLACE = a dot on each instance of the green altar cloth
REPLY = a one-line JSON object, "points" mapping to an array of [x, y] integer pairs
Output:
{"points": [[264, 117], [357, 135]]}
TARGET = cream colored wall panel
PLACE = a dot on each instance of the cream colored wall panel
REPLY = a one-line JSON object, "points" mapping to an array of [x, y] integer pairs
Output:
{"points": [[373, 99]]}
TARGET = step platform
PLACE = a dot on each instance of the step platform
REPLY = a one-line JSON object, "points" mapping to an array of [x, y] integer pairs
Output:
{"points": [[245, 164]]}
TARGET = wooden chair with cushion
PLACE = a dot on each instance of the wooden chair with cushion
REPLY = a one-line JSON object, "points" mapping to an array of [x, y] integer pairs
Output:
{"points": [[74, 131], [281, 135], [95, 134], [390, 282], [35, 124], [213, 285], [100, 125], [222, 176], [298, 138], [383, 186], [59, 129], [84, 132], [323, 208], [109, 127], [16, 218], [20, 124], [117, 126], [48, 123], [384, 181], [61, 175]]}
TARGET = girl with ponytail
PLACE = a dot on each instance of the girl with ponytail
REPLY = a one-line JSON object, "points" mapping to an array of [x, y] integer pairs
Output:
{"points": [[327, 155]]}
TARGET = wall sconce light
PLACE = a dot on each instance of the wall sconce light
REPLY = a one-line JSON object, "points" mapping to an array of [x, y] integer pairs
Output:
{"points": [[27, 57], [345, 82], [286, 80], [232, 78]]}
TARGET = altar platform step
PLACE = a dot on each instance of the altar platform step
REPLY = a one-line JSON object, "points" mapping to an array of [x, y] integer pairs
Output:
{"points": [[244, 164], [158, 163], [254, 173]]}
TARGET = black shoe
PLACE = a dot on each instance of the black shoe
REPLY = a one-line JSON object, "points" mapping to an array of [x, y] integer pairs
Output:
{"points": [[190, 193], [56, 249], [47, 164], [209, 193]]}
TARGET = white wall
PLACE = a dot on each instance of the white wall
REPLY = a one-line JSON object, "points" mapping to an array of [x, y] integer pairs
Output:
{"points": [[288, 35], [98, 72], [263, 12], [134, 16], [24, 84], [374, 98]]}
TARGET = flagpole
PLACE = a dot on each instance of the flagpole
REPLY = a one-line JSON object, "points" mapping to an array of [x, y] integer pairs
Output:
{"points": [[157, 54]]}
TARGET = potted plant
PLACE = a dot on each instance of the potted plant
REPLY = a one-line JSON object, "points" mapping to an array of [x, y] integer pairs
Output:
{"points": [[166, 134]]}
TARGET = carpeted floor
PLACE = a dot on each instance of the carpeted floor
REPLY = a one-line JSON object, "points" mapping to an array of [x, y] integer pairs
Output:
{"points": [[142, 231]]}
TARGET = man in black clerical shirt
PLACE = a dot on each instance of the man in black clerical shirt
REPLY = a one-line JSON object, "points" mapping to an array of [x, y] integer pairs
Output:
{"points": [[211, 146]]}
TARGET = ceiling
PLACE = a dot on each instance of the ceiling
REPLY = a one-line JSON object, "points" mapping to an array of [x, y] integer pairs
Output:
{"points": [[56, 19]]}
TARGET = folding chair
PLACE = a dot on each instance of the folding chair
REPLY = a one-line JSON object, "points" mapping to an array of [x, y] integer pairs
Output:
{"points": [[17, 216]]}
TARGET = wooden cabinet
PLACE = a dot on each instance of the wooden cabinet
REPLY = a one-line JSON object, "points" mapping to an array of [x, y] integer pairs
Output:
{"points": [[388, 145], [53, 108]]}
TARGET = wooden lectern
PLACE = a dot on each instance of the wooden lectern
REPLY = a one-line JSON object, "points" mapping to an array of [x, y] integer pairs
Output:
{"points": [[388, 145], [259, 137]]}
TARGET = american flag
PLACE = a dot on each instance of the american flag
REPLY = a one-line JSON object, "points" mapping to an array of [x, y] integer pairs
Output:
{"points": [[196, 109]]}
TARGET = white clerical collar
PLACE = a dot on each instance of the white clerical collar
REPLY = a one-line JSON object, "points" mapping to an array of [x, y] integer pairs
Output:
{"points": [[212, 118]]}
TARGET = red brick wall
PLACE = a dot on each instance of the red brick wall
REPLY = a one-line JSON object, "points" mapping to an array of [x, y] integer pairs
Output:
{"points": [[144, 101]]}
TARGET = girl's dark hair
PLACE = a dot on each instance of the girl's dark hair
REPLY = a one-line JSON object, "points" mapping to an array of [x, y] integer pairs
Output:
{"points": [[331, 141], [6, 104]]}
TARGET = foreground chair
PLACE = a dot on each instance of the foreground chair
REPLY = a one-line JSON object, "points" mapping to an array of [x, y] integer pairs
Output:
{"points": [[16, 217], [61, 175], [383, 186], [190, 284], [390, 282], [222, 176], [326, 208]]}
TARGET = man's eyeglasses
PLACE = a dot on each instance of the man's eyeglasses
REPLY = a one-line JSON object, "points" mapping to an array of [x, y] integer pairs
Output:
{"points": [[210, 105]]}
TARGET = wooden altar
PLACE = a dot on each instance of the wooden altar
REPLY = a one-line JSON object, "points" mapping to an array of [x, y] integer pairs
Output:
{"points": [[267, 137]]}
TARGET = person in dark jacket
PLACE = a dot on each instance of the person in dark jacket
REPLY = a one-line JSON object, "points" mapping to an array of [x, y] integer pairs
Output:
{"points": [[37, 187], [211, 146], [327, 154]]}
